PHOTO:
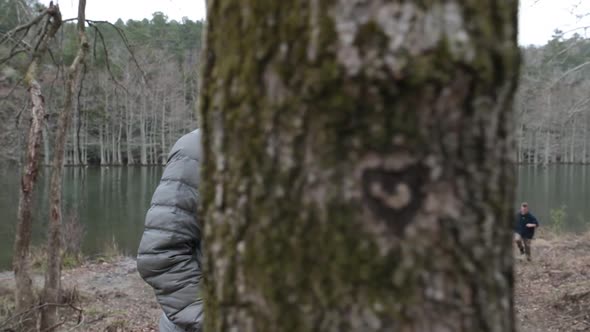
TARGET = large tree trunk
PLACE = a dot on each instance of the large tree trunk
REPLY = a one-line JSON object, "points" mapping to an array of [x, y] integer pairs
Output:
{"points": [[24, 296], [24, 288], [359, 163], [51, 288]]}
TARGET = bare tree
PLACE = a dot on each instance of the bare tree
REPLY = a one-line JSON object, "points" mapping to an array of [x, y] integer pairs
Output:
{"points": [[48, 23], [359, 165], [53, 272]]}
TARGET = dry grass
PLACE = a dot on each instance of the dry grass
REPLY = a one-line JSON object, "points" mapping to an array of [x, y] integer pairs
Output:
{"points": [[72, 235], [111, 252], [6, 303]]}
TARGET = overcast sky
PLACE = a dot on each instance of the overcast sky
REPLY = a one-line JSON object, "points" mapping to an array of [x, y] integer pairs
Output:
{"points": [[111, 10], [538, 18]]}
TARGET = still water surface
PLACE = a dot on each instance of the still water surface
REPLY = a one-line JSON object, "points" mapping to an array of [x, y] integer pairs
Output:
{"points": [[111, 202]]}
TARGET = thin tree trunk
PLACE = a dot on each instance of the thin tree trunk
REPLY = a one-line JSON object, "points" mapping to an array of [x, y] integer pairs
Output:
{"points": [[163, 133], [113, 141], [142, 124], [359, 164], [573, 142], [150, 146], [85, 145], [534, 148], [119, 132], [76, 138], [152, 130], [585, 152], [521, 142], [104, 127], [77, 151], [51, 288], [101, 142], [547, 127], [46, 151], [156, 143], [119, 135], [540, 148], [77, 121], [107, 143], [150, 140], [563, 147], [129, 130], [547, 146], [24, 296]]}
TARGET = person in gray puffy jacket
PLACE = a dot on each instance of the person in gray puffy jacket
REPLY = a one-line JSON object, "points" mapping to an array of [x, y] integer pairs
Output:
{"points": [[169, 254]]}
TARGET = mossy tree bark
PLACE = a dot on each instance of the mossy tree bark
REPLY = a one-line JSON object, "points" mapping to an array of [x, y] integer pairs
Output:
{"points": [[358, 170], [50, 19]]}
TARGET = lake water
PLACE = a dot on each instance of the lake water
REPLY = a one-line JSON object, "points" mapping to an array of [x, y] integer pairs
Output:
{"points": [[564, 187], [111, 202]]}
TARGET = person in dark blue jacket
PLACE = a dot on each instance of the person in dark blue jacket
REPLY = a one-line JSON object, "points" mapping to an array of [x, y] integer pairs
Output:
{"points": [[524, 230]]}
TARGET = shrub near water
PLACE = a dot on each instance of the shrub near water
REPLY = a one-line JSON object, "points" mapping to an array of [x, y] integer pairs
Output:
{"points": [[111, 251], [558, 217], [72, 235]]}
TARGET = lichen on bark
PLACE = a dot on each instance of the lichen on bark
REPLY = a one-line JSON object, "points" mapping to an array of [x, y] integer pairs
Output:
{"points": [[357, 169]]}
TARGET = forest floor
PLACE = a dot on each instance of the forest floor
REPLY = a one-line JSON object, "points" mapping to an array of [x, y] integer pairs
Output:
{"points": [[552, 291], [111, 294]]}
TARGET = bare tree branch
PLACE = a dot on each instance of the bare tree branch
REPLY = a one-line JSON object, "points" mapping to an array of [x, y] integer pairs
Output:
{"points": [[124, 38], [11, 55], [55, 22], [16, 41], [41, 306], [27, 26], [18, 115], [567, 73], [106, 53], [127, 46], [577, 108]]}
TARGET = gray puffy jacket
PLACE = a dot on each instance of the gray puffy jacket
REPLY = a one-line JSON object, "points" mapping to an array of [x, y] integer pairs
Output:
{"points": [[168, 258]]}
